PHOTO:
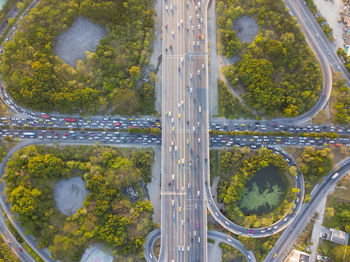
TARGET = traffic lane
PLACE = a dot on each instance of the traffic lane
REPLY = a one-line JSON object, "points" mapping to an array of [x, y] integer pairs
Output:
{"points": [[216, 235], [287, 239]]}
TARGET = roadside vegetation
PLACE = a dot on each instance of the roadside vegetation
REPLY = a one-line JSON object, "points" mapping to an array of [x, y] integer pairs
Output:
{"points": [[340, 103], [314, 164], [321, 20], [230, 253], [6, 254], [303, 242], [337, 213], [107, 216], [107, 80], [236, 168], [229, 105], [260, 246], [277, 72]]}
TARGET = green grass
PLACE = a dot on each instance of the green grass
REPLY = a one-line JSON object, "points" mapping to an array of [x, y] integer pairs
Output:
{"points": [[253, 199]]}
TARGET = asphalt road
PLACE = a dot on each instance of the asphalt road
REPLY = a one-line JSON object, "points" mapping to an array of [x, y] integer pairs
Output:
{"points": [[215, 235], [263, 231], [185, 136], [11, 241], [285, 243]]}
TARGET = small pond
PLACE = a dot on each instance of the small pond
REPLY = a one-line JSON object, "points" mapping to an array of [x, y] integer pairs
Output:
{"points": [[263, 192]]}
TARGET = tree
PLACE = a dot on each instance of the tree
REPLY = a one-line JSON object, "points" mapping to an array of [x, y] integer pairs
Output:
{"points": [[125, 102]]}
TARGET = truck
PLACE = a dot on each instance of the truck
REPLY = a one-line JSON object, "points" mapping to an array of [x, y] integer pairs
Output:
{"points": [[29, 134], [335, 175]]}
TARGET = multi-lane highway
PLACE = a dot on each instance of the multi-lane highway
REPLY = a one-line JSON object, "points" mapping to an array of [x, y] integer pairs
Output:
{"points": [[185, 132], [214, 235]]}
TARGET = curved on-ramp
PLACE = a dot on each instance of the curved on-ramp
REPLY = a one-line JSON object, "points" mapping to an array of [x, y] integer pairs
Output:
{"points": [[215, 235], [263, 231]]}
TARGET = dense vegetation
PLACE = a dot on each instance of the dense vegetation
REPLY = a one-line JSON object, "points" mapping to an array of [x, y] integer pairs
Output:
{"points": [[230, 253], [277, 71], [229, 105], [6, 254], [107, 215], [106, 80], [236, 167], [315, 163], [334, 252], [260, 246], [340, 102], [338, 214]]}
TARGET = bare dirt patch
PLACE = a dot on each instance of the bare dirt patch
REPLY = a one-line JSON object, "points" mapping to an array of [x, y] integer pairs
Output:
{"points": [[246, 28], [70, 195], [82, 36]]}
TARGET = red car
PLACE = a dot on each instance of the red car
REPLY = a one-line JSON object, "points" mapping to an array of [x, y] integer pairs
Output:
{"points": [[251, 231]]}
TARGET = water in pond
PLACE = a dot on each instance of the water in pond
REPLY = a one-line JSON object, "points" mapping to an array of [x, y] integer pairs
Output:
{"points": [[263, 192], [2, 3]]}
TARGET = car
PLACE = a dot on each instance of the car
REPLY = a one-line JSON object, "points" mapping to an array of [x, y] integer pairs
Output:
{"points": [[192, 28], [251, 231], [173, 202], [197, 43], [323, 93], [199, 73], [199, 27], [203, 66], [179, 209]]}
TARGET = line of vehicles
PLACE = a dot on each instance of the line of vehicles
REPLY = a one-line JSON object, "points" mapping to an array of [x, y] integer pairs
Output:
{"points": [[45, 120], [254, 142]]}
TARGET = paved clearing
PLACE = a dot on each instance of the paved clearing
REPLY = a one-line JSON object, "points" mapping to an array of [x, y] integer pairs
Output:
{"points": [[246, 28], [70, 195], [154, 187], [330, 11], [157, 52], [214, 252], [96, 253], [82, 36]]}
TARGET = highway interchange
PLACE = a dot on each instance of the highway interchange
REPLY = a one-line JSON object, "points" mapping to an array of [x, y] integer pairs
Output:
{"points": [[185, 128]]}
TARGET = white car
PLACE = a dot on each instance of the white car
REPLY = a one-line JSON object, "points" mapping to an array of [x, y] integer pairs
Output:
{"points": [[199, 72], [190, 76]]}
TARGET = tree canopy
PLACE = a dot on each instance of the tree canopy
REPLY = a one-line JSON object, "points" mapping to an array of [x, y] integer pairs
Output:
{"points": [[107, 215], [106, 79], [277, 72]]}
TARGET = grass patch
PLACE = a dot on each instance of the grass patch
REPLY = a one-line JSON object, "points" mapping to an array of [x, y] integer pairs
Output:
{"points": [[211, 241]]}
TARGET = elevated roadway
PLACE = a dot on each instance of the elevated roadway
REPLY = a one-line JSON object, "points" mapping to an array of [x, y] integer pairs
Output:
{"points": [[185, 131], [215, 235], [285, 243]]}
